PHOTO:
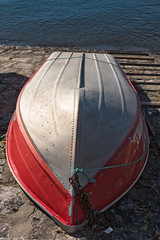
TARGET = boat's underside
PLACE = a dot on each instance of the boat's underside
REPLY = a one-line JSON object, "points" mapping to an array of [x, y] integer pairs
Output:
{"points": [[43, 171]]}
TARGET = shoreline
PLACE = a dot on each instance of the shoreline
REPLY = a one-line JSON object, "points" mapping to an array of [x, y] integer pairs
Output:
{"points": [[134, 51]]}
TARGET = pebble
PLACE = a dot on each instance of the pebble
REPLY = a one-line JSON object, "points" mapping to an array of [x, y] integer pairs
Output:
{"points": [[108, 230]]}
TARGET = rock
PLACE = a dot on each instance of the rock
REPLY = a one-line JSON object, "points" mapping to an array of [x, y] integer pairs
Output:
{"points": [[7, 177], [157, 232], [4, 230], [137, 234], [156, 219], [118, 218], [20, 222], [4, 59], [38, 229], [20, 230], [2, 154], [109, 230], [2, 161], [126, 204], [1, 168], [27, 222], [11, 199], [144, 227]]}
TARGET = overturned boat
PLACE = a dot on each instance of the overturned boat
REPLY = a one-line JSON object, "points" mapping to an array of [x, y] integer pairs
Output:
{"points": [[78, 115]]}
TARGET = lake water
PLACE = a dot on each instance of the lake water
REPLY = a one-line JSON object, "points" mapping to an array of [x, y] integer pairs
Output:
{"points": [[105, 24]]}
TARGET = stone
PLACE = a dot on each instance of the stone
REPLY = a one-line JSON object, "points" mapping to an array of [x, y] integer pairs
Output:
{"points": [[38, 230], [156, 219], [7, 177], [137, 234], [157, 232], [4, 59], [4, 230], [2, 161], [126, 204], [2, 153], [118, 218], [22, 60], [1, 168], [11, 199], [20, 222], [19, 231], [144, 227], [109, 230]]}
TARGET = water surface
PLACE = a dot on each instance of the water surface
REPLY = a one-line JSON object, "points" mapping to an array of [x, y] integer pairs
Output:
{"points": [[98, 24]]}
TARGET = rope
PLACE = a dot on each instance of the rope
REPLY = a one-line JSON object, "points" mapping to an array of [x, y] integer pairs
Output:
{"points": [[83, 171]]}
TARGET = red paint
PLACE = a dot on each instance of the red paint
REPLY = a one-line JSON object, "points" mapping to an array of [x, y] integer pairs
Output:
{"points": [[41, 185]]}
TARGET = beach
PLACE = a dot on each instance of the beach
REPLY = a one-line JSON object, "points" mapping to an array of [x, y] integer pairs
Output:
{"points": [[135, 216]]}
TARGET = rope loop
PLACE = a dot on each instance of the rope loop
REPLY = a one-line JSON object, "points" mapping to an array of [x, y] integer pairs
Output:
{"points": [[83, 170]]}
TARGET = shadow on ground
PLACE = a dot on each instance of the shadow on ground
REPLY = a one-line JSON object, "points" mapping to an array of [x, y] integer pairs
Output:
{"points": [[10, 87]]}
